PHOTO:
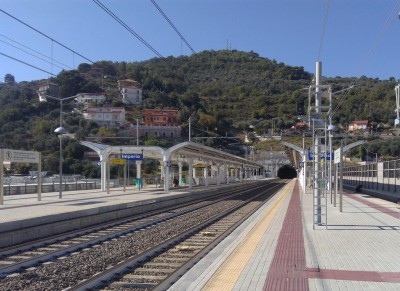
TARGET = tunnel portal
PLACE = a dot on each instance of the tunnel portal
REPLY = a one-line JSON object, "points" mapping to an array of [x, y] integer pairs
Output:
{"points": [[287, 172]]}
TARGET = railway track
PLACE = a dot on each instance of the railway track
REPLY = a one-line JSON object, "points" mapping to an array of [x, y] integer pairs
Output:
{"points": [[82, 257], [30, 254]]}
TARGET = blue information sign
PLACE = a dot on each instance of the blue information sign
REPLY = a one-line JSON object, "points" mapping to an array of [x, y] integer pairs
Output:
{"points": [[132, 157], [323, 155]]}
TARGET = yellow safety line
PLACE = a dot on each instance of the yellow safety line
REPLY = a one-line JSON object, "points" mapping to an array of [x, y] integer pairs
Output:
{"points": [[228, 273]]}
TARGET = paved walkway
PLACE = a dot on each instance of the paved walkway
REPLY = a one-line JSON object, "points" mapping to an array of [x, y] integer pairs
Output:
{"points": [[279, 249], [25, 206]]}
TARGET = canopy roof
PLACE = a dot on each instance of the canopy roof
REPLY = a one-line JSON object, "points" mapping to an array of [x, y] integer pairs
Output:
{"points": [[185, 150]]}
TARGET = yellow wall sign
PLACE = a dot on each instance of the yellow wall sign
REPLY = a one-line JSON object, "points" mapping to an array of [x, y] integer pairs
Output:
{"points": [[199, 166], [199, 173], [117, 161]]}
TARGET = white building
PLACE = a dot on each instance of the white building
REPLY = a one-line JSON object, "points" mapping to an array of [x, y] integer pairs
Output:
{"points": [[106, 116], [131, 92], [45, 89], [131, 95], [90, 98]]}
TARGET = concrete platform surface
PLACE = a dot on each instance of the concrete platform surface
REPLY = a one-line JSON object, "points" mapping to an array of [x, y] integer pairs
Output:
{"points": [[23, 217], [280, 248]]}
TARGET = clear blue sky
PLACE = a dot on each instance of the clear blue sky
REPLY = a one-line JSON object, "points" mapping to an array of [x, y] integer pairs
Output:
{"points": [[362, 37]]}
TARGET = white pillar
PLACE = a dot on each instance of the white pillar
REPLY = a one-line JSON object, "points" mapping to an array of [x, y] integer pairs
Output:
{"points": [[103, 170], [218, 174], [190, 174], [125, 176], [205, 174], [236, 173], [108, 176], [166, 176], [180, 172], [138, 171], [227, 173], [39, 177]]}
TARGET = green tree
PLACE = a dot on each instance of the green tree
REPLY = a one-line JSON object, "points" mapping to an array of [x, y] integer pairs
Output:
{"points": [[83, 68], [9, 79]]}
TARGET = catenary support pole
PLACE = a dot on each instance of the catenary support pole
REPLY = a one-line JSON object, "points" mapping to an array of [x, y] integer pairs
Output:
{"points": [[317, 147]]}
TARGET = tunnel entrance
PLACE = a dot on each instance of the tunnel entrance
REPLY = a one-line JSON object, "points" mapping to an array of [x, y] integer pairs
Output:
{"points": [[287, 172]]}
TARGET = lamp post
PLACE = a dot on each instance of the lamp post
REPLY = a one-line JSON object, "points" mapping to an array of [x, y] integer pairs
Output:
{"points": [[61, 105], [60, 131]]}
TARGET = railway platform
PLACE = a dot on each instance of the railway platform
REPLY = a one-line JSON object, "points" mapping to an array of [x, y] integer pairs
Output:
{"points": [[277, 248], [23, 217], [280, 248]]}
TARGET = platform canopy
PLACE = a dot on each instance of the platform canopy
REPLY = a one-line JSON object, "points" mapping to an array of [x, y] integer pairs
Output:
{"points": [[185, 150]]}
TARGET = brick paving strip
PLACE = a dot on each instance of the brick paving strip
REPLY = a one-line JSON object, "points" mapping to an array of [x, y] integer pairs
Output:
{"points": [[388, 211], [288, 269]]}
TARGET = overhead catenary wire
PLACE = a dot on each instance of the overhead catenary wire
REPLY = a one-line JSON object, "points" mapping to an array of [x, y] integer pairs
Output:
{"points": [[116, 18], [392, 14], [321, 41], [45, 35], [172, 25], [35, 51], [31, 54], [25, 63]]}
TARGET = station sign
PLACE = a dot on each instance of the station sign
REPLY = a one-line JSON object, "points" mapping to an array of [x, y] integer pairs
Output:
{"points": [[199, 166], [16, 156], [324, 156], [132, 157], [117, 161]]}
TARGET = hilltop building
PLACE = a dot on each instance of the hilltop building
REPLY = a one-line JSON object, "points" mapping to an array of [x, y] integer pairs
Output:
{"points": [[47, 88], [362, 125], [161, 123], [130, 91], [161, 117], [90, 98], [106, 116]]}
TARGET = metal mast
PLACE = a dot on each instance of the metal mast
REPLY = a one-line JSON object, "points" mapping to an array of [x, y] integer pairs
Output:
{"points": [[397, 120], [318, 111]]}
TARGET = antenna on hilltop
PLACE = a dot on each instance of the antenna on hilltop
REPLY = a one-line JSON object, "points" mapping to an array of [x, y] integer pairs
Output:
{"points": [[228, 44]]}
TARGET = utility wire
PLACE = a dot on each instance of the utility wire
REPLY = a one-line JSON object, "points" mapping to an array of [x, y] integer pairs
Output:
{"points": [[64, 46], [64, 65], [37, 68], [116, 18], [371, 52], [393, 13], [172, 25], [321, 41], [30, 54]]}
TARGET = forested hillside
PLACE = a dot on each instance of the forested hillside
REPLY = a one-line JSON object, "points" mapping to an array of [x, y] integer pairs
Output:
{"points": [[225, 93]]}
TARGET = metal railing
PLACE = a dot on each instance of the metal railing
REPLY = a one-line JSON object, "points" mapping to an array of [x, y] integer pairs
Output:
{"points": [[381, 176]]}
